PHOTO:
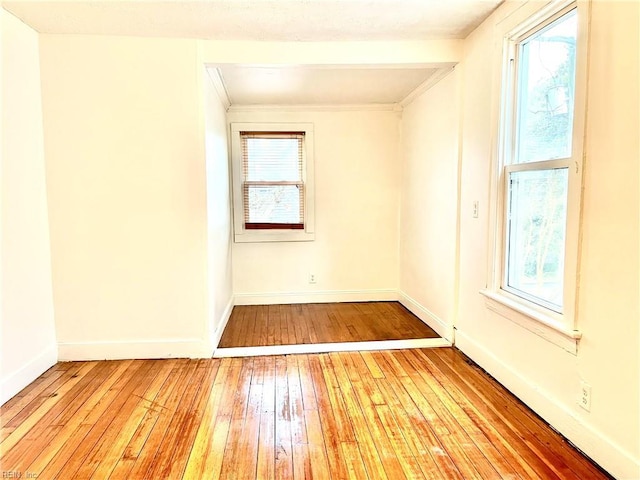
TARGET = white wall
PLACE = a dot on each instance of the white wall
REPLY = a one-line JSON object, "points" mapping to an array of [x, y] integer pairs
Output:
{"points": [[355, 252], [220, 288], [28, 345], [429, 204], [543, 375], [126, 177], [137, 273]]}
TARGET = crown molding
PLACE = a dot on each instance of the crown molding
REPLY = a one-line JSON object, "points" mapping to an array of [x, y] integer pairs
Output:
{"points": [[219, 86]]}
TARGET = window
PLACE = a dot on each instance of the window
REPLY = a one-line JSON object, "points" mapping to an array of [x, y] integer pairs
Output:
{"points": [[273, 182], [539, 168], [536, 167]]}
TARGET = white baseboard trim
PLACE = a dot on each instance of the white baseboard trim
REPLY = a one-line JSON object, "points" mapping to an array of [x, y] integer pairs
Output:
{"points": [[330, 347], [13, 383], [145, 349], [440, 326], [329, 296], [226, 315], [610, 456]]}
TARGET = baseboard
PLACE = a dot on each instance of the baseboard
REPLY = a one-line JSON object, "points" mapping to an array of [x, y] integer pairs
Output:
{"points": [[610, 456], [316, 297], [441, 327], [147, 349], [330, 347], [226, 315], [16, 381]]}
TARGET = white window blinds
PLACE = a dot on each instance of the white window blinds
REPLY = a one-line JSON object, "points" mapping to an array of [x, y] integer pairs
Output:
{"points": [[273, 180]]}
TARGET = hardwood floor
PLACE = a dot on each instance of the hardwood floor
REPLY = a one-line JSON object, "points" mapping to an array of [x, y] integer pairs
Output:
{"points": [[262, 325], [360, 415]]}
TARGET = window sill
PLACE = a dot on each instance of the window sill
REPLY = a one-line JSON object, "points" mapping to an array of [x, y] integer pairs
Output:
{"points": [[260, 236], [535, 321]]}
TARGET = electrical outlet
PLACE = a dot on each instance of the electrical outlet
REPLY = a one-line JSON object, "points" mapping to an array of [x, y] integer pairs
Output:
{"points": [[585, 396], [312, 278], [476, 207]]}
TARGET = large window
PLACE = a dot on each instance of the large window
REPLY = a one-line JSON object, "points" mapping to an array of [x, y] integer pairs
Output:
{"points": [[540, 167], [273, 182], [537, 160]]}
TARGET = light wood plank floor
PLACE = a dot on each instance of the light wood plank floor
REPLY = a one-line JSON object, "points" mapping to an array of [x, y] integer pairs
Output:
{"points": [[262, 325], [361, 415]]}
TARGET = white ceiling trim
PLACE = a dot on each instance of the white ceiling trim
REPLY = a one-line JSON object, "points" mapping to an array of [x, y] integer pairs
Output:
{"points": [[219, 86], [426, 85]]}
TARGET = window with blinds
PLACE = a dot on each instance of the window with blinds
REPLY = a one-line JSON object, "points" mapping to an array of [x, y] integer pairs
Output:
{"points": [[273, 180]]}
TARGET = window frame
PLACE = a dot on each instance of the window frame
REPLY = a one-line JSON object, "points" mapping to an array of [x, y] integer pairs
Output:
{"points": [[558, 327], [244, 235]]}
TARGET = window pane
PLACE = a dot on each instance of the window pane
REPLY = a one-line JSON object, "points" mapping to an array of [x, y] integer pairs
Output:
{"points": [[537, 212], [546, 91], [274, 204], [273, 159]]}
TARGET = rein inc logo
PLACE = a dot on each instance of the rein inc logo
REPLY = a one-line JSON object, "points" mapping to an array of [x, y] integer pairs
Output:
{"points": [[18, 474]]}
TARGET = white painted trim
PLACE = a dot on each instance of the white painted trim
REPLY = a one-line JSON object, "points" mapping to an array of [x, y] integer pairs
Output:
{"points": [[536, 321], [226, 315], [511, 31], [434, 79], [594, 443], [330, 347], [13, 383], [264, 236], [366, 107], [219, 86], [330, 296], [140, 349], [441, 327], [240, 234]]}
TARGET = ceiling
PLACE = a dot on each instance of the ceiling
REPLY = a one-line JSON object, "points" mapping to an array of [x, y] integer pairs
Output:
{"points": [[251, 85], [273, 20], [279, 20]]}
